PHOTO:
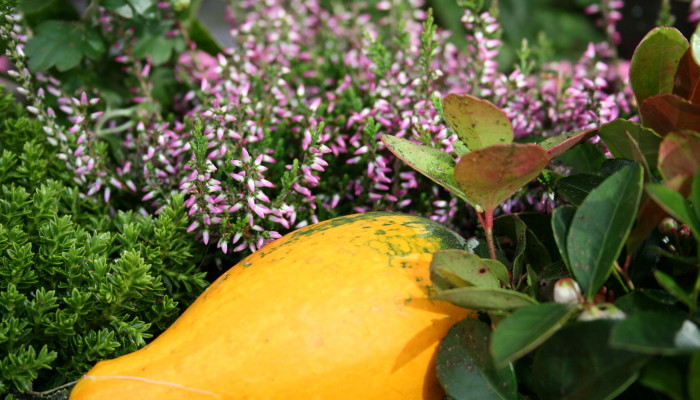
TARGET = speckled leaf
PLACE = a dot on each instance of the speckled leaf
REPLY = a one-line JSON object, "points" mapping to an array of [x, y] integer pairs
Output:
{"points": [[433, 163], [497, 269], [687, 82], [620, 145], [679, 154], [478, 123], [654, 62], [491, 175], [486, 299], [462, 269], [600, 227], [558, 145], [526, 328], [668, 113], [465, 368]]}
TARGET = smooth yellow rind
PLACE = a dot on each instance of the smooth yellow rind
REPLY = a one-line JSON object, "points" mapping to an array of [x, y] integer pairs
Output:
{"points": [[338, 310]]}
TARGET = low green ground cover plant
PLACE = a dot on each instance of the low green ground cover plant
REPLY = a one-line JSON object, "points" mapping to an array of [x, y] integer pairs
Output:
{"points": [[79, 282]]}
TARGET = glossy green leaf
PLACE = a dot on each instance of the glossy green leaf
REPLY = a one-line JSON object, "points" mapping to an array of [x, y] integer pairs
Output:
{"points": [[492, 174], [34, 6], [583, 158], [679, 154], [487, 299], [158, 46], [614, 134], [560, 144], [663, 375], [670, 285], [433, 163], [129, 8], [200, 34], [62, 45], [674, 203], [687, 82], [465, 368], [654, 62], [561, 221], [468, 269], [656, 333], [529, 250], [637, 301], [526, 328], [692, 378], [650, 213], [575, 188], [666, 113], [600, 227], [577, 364], [478, 123]]}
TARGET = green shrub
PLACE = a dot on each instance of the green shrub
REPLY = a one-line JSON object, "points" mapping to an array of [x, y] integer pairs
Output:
{"points": [[79, 282]]}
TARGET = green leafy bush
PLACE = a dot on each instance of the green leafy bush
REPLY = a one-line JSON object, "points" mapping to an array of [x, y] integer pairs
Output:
{"points": [[600, 298], [79, 282]]}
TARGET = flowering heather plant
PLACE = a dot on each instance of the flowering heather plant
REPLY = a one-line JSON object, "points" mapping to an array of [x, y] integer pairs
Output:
{"points": [[288, 118]]}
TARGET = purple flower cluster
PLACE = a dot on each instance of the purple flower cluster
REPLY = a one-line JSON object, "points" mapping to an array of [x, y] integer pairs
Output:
{"points": [[288, 117]]}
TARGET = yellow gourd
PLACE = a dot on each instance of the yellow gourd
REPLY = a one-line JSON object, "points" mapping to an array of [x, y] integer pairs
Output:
{"points": [[337, 310]]}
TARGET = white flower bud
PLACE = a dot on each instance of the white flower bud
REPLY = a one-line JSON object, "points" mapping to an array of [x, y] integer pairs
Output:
{"points": [[567, 291]]}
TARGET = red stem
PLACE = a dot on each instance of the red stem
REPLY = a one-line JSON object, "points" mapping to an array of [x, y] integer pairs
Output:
{"points": [[486, 221]]}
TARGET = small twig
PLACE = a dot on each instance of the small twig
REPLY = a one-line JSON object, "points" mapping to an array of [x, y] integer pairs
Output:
{"points": [[50, 391], [623, 278]]}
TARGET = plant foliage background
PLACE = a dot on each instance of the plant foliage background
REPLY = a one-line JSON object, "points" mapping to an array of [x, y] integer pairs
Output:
{"points": [[147, 155]]}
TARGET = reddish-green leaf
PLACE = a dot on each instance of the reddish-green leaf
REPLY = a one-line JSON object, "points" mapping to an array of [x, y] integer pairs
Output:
{"points": [[558, 145], [478, 123], [667, 113], [433, 163], [687, 82], [679, 154], [654, 63], [491, 175]]}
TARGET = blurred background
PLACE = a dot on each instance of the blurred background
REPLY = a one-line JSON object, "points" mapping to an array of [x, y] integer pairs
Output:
{"points": [[565, 24]]}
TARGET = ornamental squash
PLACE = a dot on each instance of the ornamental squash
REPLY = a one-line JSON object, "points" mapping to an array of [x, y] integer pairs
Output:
{"points": [[336, 310]]}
